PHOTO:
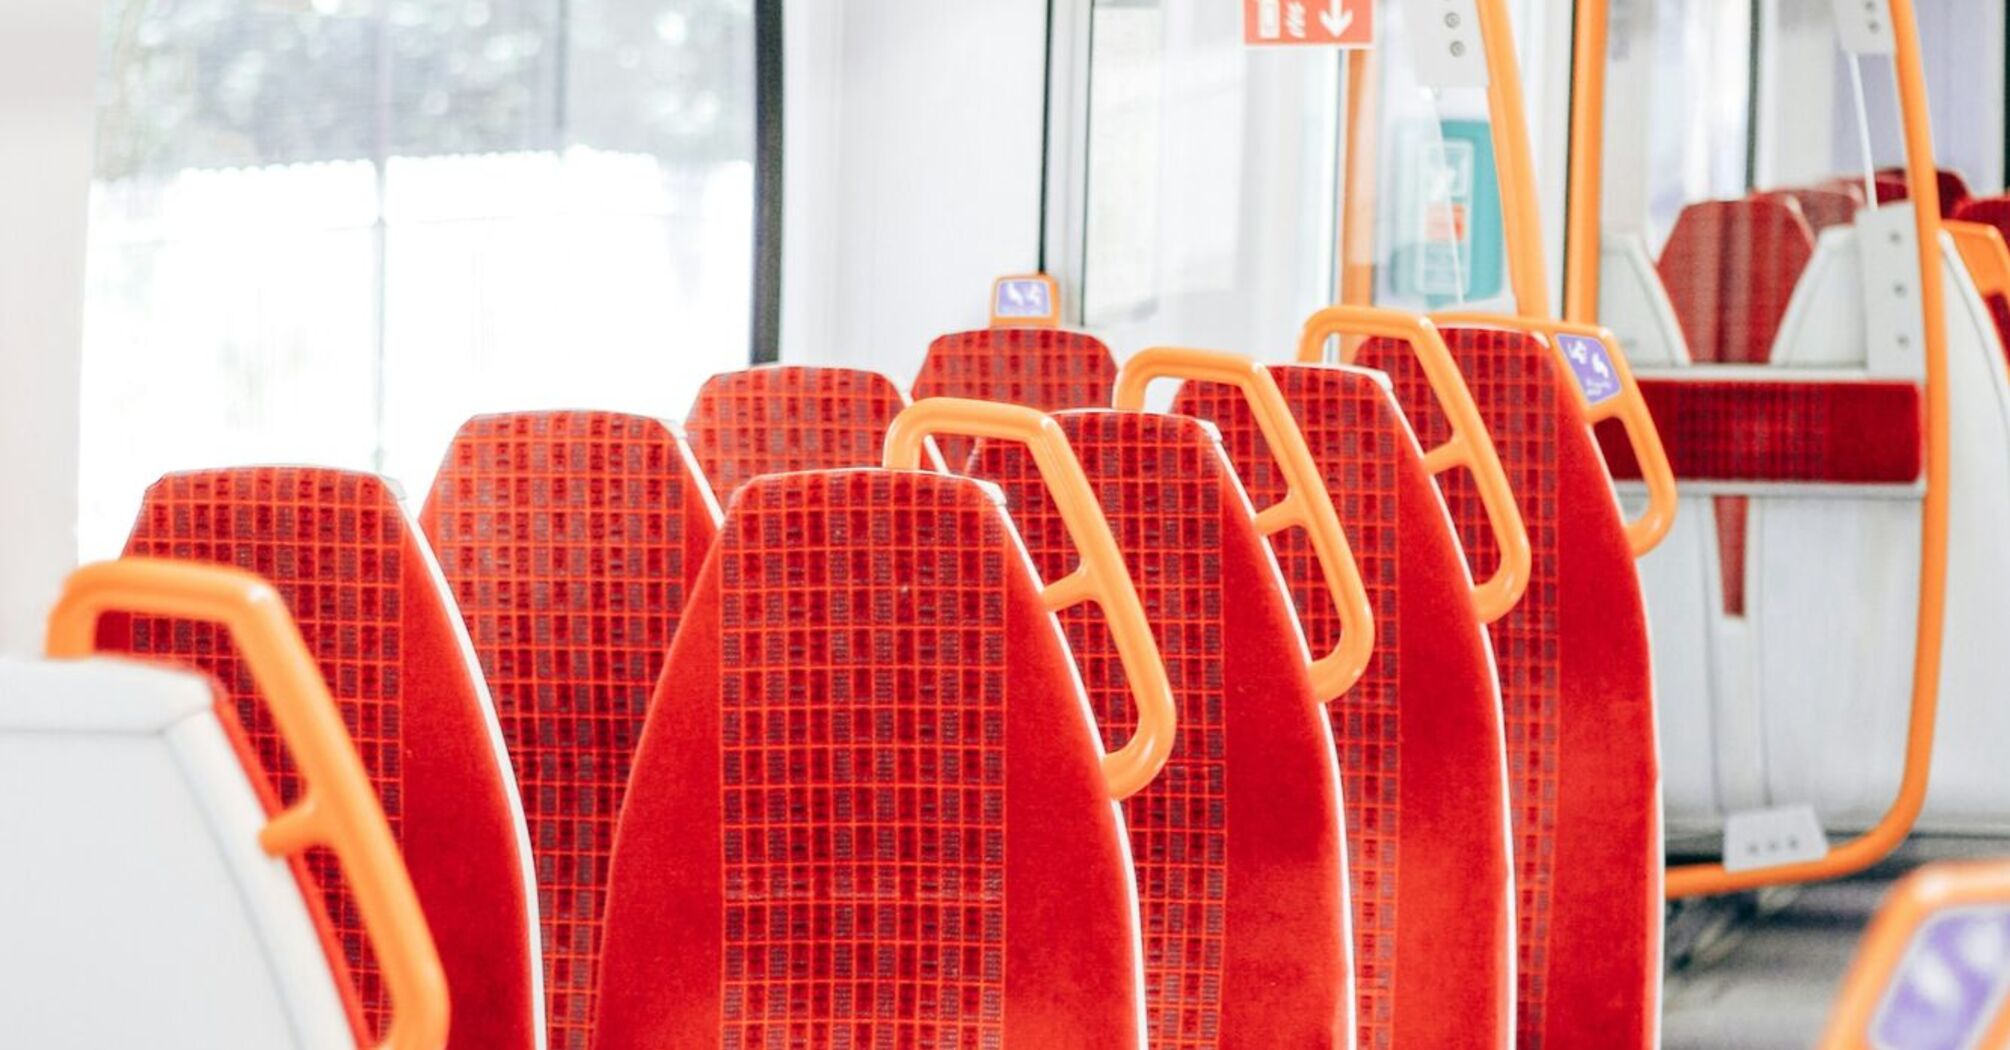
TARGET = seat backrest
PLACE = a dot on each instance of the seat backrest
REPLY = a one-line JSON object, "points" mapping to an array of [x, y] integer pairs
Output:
{"points": [[1730, 268], [367, 596], [1045, 368], [1419, 736], [869, 808], [1821, 207], [1577, 696], [1238, 844], [1892, 186], [139, 909], [569, 540], [778, 418]]}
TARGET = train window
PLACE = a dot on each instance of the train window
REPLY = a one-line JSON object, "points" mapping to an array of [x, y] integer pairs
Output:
{"points": [[329, 230], [1209, 182]]}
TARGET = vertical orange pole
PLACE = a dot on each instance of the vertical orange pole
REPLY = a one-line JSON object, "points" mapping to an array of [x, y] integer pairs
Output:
{"points": [[1521, 211], [1587, 162], [1357, 196]]}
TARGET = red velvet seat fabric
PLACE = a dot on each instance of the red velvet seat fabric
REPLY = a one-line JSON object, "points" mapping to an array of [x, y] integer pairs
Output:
{"points": [[1419, 736], [1238, 843], [1045, 368], [779, 418], [570, 540], [869, 808], [363, 588], [1584, 779], [1730, 268], [1822, 208], [1892, 186]]}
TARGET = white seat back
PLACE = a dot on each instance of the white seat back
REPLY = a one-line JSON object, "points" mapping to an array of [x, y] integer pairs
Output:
{"points": [[136, 906]]}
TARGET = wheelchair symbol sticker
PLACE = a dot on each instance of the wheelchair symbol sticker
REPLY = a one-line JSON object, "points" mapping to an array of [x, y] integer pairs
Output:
{"points": [[1954, 975], [1591, 363], [1023, 298]]}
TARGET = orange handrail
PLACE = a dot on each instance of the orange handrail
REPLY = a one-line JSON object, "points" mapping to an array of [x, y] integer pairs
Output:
{"points": [[1470, 445], [1896, 823], [1307, 505], [1583, 214], [1101, 577], [1629, 406], [1916, 901], [337, 808]]}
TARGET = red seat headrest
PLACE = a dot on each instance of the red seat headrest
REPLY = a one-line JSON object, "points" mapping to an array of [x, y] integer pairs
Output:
{"points": [[869, 806], [1045, 368], [368, 600], [570, 540], [779, 418]]}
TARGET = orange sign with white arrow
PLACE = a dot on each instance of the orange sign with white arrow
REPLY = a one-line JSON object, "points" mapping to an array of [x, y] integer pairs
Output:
{"points": [[1314, 23]]}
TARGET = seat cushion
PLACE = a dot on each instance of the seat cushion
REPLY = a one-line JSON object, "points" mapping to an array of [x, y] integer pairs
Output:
{"points": [[370, 603], [869, 807], [1045, 368], [1583, 775], [1420, 734], [789, 417], [1239, 843], [569, 540]]}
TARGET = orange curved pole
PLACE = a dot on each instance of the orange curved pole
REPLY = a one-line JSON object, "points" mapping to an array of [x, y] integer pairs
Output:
{"points": [[1470, 445], [1589, 44], [1307, 506], [1629, 406], [1921, 897], [1101, 577], [1521, 211], [1896, 823], [337, 808]]}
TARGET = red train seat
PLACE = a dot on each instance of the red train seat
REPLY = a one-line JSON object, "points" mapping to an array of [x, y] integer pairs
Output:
{"points": [[1583, 776], [778, 418], [157, 895], [868, 809], [1045, 368], [1891, 186], [367, 596], [569, 540], [1730, 268], [1239, 844], [1420, 735], [1822, 207]]}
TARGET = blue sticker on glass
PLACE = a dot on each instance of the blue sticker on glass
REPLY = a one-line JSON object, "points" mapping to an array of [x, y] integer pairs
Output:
{"points": [[1591, 363], [1023, 298], [1956, 970]]}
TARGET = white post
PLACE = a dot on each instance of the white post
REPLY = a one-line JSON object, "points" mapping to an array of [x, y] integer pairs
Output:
{"points": [[48, 81]]}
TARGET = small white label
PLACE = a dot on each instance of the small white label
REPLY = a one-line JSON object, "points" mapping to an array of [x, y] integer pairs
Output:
{"points": [[1864, 27], [1445, 43], [1768, 838], [1894, 324]]}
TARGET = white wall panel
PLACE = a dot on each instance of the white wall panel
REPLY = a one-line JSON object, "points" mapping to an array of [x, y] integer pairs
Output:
{"points": [[912, 171]]}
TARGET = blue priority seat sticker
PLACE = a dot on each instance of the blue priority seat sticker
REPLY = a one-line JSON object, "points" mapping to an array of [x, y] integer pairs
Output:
{"points": [[1591, 364]]}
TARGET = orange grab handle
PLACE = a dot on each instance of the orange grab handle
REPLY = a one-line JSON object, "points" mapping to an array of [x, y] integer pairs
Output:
{"points": [[1923, 896], [1101, 577], [1470, 445], [1629, 406], [337, 808], [1890, 831], [1307, 504]]}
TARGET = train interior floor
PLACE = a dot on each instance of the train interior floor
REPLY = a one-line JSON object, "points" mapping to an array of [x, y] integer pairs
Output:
{"points": [[1762, 971]]}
